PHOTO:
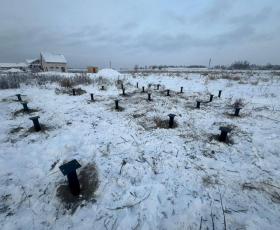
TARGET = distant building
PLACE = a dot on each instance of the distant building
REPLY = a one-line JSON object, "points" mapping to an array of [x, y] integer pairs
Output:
{"points": [[46, 62], [53, 62], [13, 70], [7, 66], [34, 65], [92, 69]]}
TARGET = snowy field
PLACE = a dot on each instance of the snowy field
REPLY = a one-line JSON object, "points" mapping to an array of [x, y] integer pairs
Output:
{"points": [[137, 174]]}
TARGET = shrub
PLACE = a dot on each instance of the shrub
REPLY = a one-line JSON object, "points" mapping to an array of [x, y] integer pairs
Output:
{"points": [[66, 83], [13, 80], [82, 79], [239, 103], [9, 82], [102, 81]]}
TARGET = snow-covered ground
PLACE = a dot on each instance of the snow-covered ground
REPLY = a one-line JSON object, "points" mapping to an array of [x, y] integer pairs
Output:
{"points": [[148, 177]]}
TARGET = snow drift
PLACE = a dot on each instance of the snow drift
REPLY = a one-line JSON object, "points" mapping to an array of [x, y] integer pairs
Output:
{"points": [[108, 73]]}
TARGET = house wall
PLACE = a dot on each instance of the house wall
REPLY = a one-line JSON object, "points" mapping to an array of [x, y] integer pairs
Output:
{"points": [[92, 69], [57, 67], [35, 66]]}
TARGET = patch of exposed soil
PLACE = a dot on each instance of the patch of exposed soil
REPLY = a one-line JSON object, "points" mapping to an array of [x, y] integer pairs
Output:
{"points": [[138, 115], [231, 115], [16, 130], [120, 109], [164, 124], [216, 137], [43, 129], [88, 177], [21, 111], [78, 91], [210, 181]]}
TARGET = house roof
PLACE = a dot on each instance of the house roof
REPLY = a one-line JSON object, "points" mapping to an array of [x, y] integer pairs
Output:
{"points": [[53, 58], [30, 61], [12, 65], [13, 70]]}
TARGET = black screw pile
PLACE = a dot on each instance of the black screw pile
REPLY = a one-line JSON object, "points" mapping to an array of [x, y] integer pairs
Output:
{"points": [[236, 112], [220, 93], [181, 89], [36, 123], [19, 97], [137, 85], [224, 132], [25, 107], [149, 97], [168, 93], [74, 92], [117, 104], [211, 97], [123, 91], [171, 120], [198, 104], [69, 170], [91, 97], [158, 86], [143, 89]]}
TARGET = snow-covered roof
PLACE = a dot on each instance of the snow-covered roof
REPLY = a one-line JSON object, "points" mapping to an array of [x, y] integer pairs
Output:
{"points": [[30, 61], [53, 58], [12, 65], [22, 64], [7, 65], [13, 70]]}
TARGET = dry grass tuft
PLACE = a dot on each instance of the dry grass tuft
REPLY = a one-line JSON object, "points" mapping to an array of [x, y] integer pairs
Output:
{"points": [[210, 181], [78, 91], [66, 83], [239, 103]]}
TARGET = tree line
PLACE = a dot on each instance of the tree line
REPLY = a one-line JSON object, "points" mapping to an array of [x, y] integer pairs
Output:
{"points": [[240, 65]]}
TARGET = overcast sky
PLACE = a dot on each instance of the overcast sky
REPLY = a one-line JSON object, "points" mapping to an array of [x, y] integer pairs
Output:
{"points": [[144, 32]]}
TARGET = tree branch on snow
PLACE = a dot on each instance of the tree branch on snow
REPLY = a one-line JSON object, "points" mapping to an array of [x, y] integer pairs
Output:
{"points": [[123, 164], [107, 221], [269, 118], [200, 226], [212, 218], [270, 185], [222, 206], [25, 197], [131, 205], [124, 139]]}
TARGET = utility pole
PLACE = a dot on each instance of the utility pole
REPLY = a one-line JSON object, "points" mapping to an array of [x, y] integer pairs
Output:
{"points": [[209, 63], [110, 64]]}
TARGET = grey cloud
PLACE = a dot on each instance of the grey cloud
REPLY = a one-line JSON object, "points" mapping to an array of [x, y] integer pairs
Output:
{"points": [[162, 43], [104, 42], [217, 10], [132, 25], [240, 34], [174, 17], [259, 17], [161, 32]]}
